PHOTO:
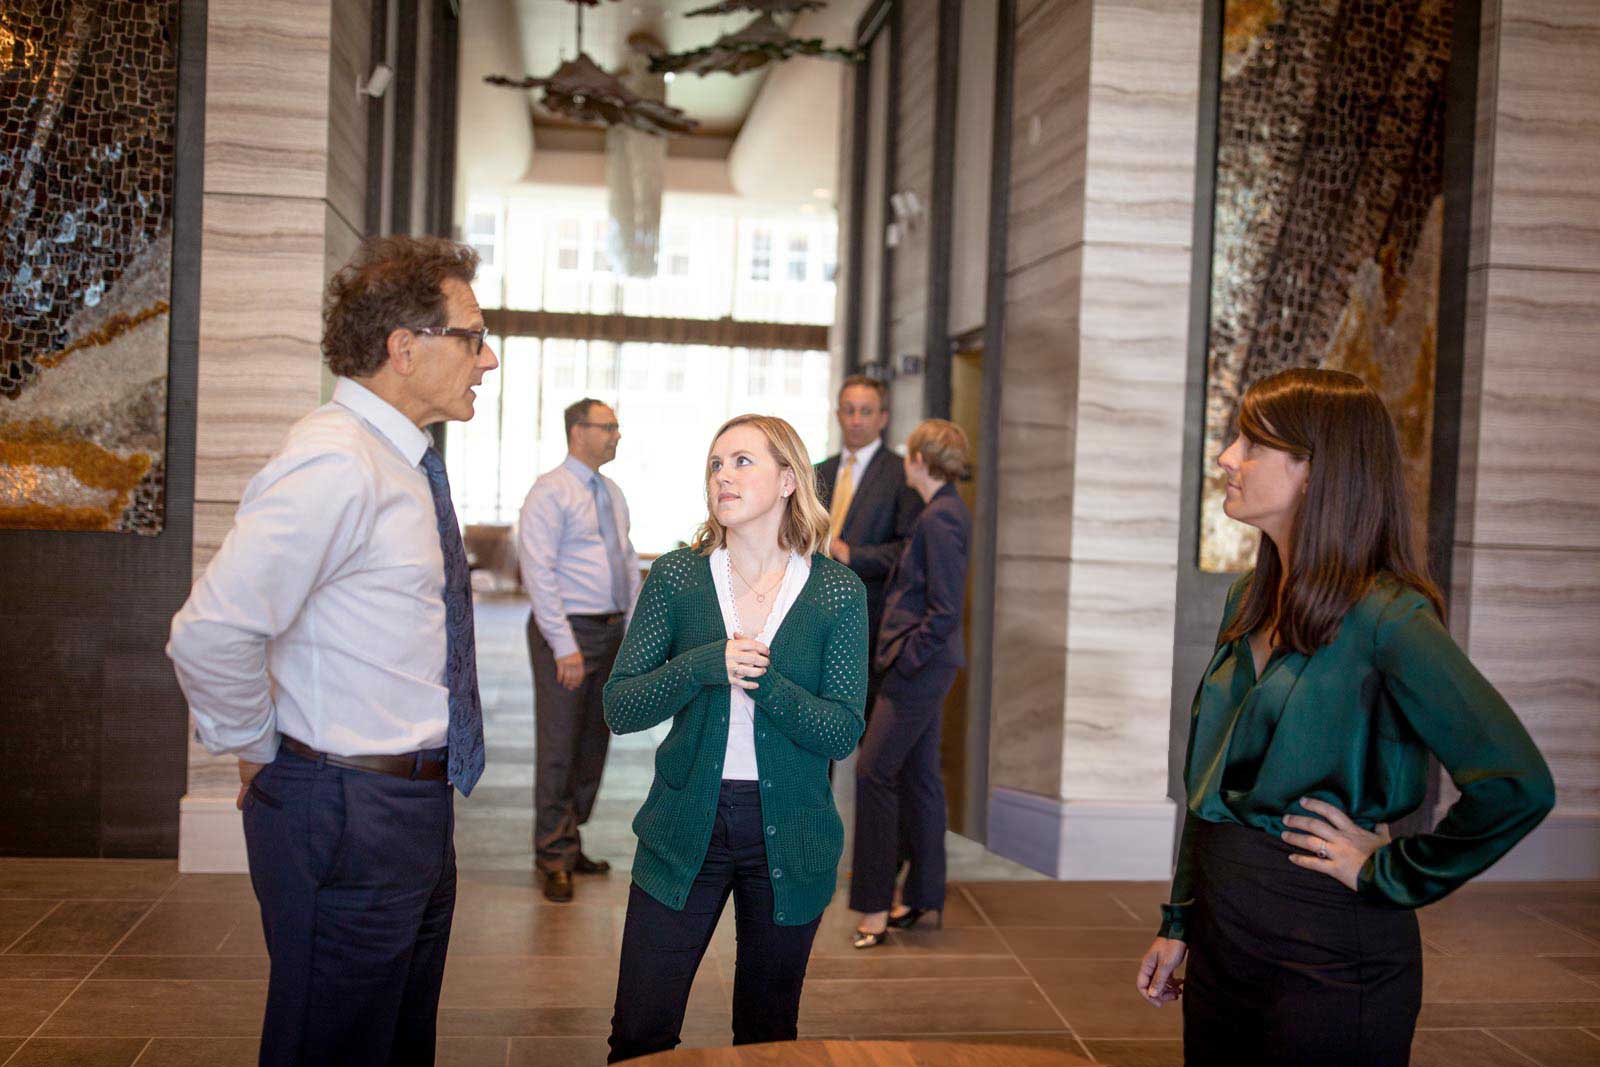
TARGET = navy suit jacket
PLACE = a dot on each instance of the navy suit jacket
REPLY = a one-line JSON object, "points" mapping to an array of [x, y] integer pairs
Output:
{"points": [[927, 589], [882, 511]]}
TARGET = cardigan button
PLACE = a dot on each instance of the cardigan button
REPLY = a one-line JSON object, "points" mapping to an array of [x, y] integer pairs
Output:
{"points": [[779, 916], [777, 872], [771, 830], [767, 783]]}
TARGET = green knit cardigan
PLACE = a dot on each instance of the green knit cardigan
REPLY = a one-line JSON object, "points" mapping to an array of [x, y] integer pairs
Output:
{"points": [[808, 710]]}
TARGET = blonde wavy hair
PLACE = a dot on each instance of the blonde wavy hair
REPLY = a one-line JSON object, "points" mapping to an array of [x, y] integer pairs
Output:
{"points": [[805, 522]]}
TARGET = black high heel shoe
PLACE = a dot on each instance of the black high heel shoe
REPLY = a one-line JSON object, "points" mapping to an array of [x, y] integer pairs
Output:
{"points": [[869, 939], [913, 915]]}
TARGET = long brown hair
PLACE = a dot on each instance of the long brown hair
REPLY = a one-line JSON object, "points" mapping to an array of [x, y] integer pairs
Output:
{"points": [[804, 529], [1354, 520]]}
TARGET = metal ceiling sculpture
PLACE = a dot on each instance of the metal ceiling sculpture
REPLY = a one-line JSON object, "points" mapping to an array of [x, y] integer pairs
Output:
{"points": [[763, 41], [768, 7], [582, 91]]}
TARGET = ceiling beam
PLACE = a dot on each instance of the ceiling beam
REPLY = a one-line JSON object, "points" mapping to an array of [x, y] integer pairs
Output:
{"points": [[642, 329]]}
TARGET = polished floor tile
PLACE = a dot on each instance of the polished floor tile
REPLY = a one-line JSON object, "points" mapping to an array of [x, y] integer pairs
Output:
{"points": [[161, 1008], [24, 1005], [86, 879], [79, 1052], [47, 966], [556, 1051], [925, 1006], [1051, 904], [1082, 942], [1554, 1048], [187, 928], [200, 1052], [1097, 999], [17, 917], [81, 928], [1462, 1048], [1147, 1053]]}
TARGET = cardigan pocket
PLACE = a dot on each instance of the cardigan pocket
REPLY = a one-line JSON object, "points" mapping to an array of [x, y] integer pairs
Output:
{"points": [[813, 838], [675, 755], [657, 817]]}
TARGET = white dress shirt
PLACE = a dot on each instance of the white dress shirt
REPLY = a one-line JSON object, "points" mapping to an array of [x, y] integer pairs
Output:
{"points": [[563, 555], [322, 615], [859, 461], [739, 762]]}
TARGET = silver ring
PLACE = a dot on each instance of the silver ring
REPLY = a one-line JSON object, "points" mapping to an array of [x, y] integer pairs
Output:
{"points": [[1323, 852]]}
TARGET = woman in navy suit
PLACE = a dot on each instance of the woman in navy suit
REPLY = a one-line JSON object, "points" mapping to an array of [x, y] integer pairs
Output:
{"points": [[900, 805]]}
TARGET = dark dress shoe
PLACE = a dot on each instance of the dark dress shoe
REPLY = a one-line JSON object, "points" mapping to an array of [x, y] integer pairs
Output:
{"points": [[585, 865], [909, 918], [869, 938], [558, 886]]}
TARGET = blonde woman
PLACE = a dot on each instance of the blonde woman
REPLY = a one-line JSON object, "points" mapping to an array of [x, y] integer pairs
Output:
{"points": [[753, 645], [899, 793]]}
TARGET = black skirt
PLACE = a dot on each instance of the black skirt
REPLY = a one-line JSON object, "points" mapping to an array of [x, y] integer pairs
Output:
{"points": [[1287, 966]]}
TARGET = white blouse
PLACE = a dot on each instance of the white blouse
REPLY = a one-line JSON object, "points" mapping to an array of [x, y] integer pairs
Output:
{"points": [[739, 762]]}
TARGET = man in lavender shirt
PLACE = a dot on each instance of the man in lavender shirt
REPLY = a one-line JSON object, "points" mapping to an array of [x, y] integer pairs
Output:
{"points": [[582, 574]]}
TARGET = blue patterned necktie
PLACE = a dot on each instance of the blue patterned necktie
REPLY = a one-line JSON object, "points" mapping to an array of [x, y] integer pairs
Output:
{"points": [[461, 660], [608, 533]]}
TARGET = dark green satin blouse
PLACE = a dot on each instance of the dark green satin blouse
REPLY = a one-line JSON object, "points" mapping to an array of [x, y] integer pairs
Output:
{"points": [[1352, 724]]}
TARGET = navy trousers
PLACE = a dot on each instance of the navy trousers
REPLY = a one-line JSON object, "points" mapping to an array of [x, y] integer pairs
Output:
{"points": [[356, 876], [662, 948], [900, 804]]}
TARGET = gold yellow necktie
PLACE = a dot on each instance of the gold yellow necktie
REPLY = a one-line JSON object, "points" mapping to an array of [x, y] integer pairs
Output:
{"points": [[842, 493]]}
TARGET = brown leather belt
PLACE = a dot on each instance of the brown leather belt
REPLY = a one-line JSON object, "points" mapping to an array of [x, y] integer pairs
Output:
{"points": [[413, 765]]}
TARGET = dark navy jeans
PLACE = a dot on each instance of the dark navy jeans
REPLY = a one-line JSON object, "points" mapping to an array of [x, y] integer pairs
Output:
{"points": [[662, 948], [356, 876]]}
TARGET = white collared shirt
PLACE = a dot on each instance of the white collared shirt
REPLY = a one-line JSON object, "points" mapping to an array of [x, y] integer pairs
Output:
{"points": [[322, 615], [859, 460], [562, 553], [739, 762]]}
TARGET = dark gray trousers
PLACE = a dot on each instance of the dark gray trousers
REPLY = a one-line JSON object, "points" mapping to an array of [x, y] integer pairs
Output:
{"points": [[570, 738]]}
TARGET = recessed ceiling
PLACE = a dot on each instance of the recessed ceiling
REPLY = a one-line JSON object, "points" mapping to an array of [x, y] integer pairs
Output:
{"points": [[719, 102]]}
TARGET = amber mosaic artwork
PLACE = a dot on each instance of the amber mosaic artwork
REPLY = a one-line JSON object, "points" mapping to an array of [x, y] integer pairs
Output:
{"points": [[88, 98], [1329, 217]]}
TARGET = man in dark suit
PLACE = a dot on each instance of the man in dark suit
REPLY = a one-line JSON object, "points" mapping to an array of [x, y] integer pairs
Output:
{"points": [[870, 507]]}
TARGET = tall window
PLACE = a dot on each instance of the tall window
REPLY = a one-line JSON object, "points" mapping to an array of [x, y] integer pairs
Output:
{"points": [[548, 250], [568, 242], [798, 249], [761, 255]]}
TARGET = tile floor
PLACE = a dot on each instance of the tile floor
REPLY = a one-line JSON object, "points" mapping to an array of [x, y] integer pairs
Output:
{"points": [[107, 963]]}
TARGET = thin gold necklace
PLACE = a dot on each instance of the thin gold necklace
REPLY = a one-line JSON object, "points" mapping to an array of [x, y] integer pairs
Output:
{"points": [[761, 595]]}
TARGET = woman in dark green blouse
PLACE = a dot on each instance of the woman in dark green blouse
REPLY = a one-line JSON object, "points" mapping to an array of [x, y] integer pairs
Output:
{"points": [[754, 646], [1332, 681]]}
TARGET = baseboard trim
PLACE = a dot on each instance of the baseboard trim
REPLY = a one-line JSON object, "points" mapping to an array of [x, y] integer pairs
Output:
{"points": [[210, 836], [1564, 848], [1083, 840]]}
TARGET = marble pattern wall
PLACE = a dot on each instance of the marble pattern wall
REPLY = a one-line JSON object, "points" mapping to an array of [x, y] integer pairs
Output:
{"points": [[88, 104], [285, 185], [1526, 597], [1092, 402]]}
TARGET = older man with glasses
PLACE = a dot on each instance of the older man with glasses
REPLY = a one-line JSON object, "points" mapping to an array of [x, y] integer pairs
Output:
{"points": [[329, 645], [582, 574]]}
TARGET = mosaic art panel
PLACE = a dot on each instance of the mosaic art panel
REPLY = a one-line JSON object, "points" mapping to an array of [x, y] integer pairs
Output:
{"points": [[1328, 218], [88, 97]]}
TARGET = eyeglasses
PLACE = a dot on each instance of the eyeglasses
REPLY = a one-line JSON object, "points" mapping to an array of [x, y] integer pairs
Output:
{"points": [[476, 336], [608, 427]]}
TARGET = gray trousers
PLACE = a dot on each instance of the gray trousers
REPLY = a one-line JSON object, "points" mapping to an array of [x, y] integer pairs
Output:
{"points": [[570, 738]]}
